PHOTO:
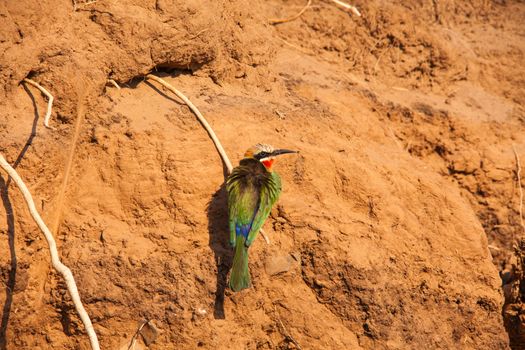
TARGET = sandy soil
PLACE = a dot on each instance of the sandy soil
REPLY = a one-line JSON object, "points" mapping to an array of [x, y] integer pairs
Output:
{"points": [[398, 219]]}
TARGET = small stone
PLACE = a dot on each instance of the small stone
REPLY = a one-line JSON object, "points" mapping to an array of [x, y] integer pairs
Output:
{"points": [[276, 264], [199, 313], [498, 174], [320, 283], [21, 281], [149, 333]]}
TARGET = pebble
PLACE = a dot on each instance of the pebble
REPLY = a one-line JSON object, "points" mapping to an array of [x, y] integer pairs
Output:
{"points": [[276, 264], [149, 333]]}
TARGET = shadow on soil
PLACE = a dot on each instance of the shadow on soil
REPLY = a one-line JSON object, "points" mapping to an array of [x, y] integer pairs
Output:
{"points": [[219, 243], [4, 194]]}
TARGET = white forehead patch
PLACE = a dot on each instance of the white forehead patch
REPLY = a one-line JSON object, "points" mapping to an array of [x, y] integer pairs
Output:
{"points": [[262, 147]]}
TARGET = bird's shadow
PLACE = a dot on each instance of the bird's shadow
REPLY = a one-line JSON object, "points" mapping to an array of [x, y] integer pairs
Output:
{"points": [[219, 243]]}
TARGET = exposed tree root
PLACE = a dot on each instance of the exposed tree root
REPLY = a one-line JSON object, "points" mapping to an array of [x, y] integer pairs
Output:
{"points": [[206, 125], [49, 100], [55, 260]]}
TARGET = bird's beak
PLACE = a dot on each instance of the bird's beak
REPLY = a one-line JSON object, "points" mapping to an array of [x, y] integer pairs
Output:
{"points": [[282, 151]]}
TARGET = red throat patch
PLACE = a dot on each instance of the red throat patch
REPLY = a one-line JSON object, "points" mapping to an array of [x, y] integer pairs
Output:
{"points": [[268, 164]]}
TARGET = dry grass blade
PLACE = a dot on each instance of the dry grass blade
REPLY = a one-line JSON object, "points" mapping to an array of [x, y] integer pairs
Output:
{"points": [[49, 100], [55, 260], [206, 125], [294, 46], [294, 17], [348, 6], [518, 166]]}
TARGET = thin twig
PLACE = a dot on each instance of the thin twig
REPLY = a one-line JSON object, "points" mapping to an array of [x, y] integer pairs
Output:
{"points": [[285, 331], [379, 58], [348, 6], [55, 260], [491, 246], [280, 114], [263, 234], [206, 125], [114, 83], [289, 19], [134, 338], [294, 46], [199, 33], [518, 166], [49, 100], [398, 88], [394, 137]]}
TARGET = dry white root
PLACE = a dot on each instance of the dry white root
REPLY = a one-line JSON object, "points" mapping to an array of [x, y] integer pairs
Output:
{"points": [[194, 109], [289, 19], [308, 4], [114, 83], [49, 100], [55, 260], [206, 125], [348, 6]]}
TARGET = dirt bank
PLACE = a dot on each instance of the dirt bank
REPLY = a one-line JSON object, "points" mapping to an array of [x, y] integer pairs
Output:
{"points": [[405, 118]]}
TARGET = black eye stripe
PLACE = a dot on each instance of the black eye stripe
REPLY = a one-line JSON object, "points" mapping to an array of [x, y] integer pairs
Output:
{"points": [[262, 155]]}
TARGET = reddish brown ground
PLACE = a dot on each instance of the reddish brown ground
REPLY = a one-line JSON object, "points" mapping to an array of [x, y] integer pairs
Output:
{"points": [[405, 118]]}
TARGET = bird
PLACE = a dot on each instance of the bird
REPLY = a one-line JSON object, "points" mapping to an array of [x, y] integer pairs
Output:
{"points": [[253, 188]]}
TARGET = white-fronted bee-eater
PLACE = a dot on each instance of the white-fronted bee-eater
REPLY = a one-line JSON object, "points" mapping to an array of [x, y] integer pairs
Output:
{"points": [[253, 188]]}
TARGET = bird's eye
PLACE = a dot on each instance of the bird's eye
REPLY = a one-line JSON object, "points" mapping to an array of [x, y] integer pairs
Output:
{"points": [[263, 155]]}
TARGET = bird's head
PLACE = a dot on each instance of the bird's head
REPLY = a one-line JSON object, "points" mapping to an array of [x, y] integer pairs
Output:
{"points": [[265, 154]]}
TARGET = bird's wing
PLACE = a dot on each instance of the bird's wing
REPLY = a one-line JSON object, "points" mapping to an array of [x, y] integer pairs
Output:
{"points": [[249, 206], [269, 193], [243, 203]]}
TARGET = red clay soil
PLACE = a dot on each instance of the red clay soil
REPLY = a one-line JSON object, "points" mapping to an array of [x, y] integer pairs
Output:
{"points": [[398, 220]]}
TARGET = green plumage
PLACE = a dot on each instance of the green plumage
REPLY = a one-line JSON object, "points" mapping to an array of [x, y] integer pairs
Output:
{"points": [[240, 275], [252, 191]]}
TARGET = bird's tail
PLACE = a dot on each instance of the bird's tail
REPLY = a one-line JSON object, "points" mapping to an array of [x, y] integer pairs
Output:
{"points": [[240, 274]]}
